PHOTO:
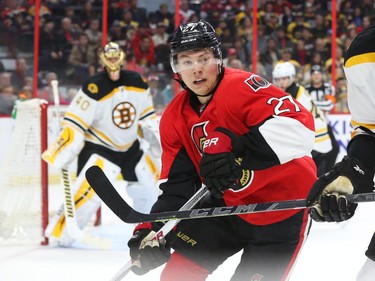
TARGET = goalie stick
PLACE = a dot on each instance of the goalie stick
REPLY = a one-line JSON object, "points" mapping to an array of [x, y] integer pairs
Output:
{"points": [[163, 231], [69, 206], [103, 187]]}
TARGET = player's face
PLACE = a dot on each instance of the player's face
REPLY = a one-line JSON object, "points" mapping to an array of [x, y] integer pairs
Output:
{"points": [[282, 82], [199, 70], [316, 77]]}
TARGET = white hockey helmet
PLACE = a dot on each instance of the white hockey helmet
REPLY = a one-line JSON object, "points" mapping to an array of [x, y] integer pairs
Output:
{"points": [[284, 70], [112, 57]]}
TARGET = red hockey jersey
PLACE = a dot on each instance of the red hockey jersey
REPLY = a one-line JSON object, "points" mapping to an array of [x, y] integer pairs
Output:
{"points": [[278, 133]]}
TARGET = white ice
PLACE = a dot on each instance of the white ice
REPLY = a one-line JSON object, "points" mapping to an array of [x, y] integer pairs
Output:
{"points": [[332, 252]]}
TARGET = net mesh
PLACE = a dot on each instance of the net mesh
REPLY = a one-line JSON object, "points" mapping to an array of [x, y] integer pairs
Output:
{"points": [[20, 178]]}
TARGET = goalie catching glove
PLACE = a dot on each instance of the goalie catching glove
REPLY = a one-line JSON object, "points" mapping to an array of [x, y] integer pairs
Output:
{"points": [[219, 168], [326, 198], [146, 250]]}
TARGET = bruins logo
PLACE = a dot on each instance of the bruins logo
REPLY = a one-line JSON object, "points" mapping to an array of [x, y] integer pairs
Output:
{"points": [[93, 88], [123, 115]]}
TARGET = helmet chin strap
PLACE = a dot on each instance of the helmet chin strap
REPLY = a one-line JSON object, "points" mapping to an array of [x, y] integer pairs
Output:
{"points": [[202, 96]]}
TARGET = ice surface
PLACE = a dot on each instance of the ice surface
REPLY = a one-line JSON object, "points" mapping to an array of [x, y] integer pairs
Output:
{"points": [[332, 252]]}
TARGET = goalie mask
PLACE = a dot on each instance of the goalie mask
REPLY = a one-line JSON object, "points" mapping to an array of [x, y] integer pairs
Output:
{"points": [[112, 58], [284, 75]]}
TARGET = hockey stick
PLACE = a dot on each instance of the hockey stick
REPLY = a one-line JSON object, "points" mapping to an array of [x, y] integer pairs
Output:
{"points": [[114, 201], [69, 205], [164, 230]]}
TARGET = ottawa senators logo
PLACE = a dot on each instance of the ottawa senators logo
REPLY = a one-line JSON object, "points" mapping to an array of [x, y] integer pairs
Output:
{"points": [[256, 82], [199, 135]]}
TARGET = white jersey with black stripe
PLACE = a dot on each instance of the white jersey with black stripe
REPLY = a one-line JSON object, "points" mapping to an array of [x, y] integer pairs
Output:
{"points": [[108, 112]]}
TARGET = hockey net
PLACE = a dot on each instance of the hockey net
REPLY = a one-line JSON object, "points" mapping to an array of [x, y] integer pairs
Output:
{"points": [[24, 177]]}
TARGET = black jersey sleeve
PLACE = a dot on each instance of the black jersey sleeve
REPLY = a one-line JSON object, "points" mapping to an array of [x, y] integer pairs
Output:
{"points": [[183, 181]]}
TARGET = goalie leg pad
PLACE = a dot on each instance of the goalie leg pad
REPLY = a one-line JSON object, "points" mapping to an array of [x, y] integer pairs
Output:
{"points": [[85, 199]]}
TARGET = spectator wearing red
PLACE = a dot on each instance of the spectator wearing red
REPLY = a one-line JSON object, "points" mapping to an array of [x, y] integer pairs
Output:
{"points": [[131, 64], [300, 52], [141, 32], [212, 11], [145, 52]]}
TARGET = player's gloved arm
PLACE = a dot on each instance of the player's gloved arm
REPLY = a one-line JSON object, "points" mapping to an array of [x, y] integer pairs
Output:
{"points": [[326, 198], [219, 168], [147, 252]]}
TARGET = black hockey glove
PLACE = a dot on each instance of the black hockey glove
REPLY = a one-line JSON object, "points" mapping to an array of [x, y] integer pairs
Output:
{"points": [[219, 167], [326, 198], [147, 252]]}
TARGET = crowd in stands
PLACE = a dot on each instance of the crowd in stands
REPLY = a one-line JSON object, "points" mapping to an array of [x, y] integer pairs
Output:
{"points": [[71, 37]]}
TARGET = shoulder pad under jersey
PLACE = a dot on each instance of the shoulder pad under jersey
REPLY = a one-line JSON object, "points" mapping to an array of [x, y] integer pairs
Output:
{"points": [[99, 85]]}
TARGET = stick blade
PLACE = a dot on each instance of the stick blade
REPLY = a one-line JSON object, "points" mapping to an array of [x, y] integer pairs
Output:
{"points": [[107, 192]]}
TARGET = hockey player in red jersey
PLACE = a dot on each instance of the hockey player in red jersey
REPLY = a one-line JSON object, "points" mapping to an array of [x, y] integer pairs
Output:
{"points": [[248, 142], [355, 173]]}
